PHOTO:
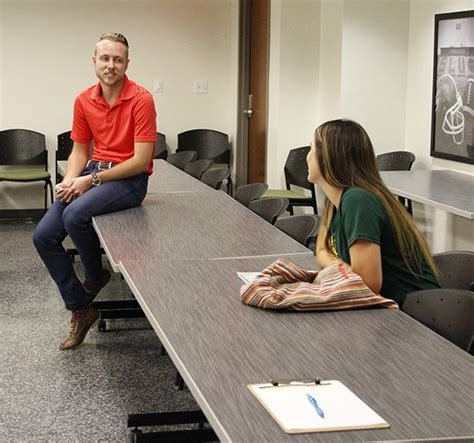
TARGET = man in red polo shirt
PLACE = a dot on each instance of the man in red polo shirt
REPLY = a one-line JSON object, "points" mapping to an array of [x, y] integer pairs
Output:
{"points": [[119, 117]]}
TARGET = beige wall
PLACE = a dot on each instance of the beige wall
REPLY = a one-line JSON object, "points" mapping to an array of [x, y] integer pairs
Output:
{"points": [[46, 48]]}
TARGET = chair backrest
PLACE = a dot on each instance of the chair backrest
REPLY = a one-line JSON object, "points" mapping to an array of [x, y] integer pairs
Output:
{"points": [[296, 168], [246, 193], [395, 161], [181, 159], [303, 228], [269, 208], [22, 147], [215, 177], [456, 268], [198, 167], [449, 312], [64, 147], [208, 144], [161, 152]]}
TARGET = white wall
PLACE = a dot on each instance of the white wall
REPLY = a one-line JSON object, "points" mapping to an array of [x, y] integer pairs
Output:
{"points": [[446, 231], [1, 62], [46, 48], [419, 81], [294, 80], [330, 53], [374, 66]]}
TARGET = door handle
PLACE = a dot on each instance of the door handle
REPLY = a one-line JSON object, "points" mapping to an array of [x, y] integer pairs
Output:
{"points": [[249, 111]]}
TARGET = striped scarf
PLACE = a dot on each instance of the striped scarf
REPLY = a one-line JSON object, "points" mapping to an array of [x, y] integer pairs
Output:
{"points": [[283, 285]]}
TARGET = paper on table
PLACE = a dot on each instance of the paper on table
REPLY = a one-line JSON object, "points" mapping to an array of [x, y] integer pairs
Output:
{"points": [[290, 407], [247, 277]]}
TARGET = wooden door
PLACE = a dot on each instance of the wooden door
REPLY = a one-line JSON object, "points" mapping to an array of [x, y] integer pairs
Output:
{"points": [[252, 138], [258, 88]]}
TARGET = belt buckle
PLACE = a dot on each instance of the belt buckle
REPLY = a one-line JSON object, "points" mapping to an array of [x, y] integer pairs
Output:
{"points": [[104, 165]]}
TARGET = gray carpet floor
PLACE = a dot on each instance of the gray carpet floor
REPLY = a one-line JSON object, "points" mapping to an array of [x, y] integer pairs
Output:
{"points": [[79, 395]]}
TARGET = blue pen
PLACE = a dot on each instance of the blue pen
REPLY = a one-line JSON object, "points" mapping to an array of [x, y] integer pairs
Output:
{"points": [[315, 405]]}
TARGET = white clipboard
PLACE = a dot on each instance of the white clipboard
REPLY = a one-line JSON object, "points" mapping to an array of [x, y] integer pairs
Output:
{"points": [[288, 404]]}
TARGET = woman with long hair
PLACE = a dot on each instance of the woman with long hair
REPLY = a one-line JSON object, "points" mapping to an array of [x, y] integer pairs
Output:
{"points": [[364, 225]]}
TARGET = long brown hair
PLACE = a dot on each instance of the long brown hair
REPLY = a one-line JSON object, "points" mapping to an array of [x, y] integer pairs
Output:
{"points": [[346, 158]]}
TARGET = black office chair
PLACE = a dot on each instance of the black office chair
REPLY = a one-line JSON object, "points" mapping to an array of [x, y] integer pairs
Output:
{"points": [[448, 312], [303, 228], [215, 177], [246, 193], [181, 159], [208, 144], [161, 152], [22, 147], [397, 161], [198, 167], [296, 174], [456, 268], [269, 208], [64, 148]]}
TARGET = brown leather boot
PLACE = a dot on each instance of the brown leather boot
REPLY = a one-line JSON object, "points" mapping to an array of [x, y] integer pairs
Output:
{"points": [[79, 328]]}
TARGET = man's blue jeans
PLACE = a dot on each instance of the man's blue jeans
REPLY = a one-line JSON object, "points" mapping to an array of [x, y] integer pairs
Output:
{"points": [[75, 219]]}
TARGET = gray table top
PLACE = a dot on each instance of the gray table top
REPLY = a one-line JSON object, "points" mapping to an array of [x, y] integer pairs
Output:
{"points": [[418, 382], [165, 178], [189, 225], [443, 189], [168, 178]]}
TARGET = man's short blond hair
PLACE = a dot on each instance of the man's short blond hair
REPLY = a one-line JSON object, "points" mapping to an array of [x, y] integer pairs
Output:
{"points": [[114, 37]]}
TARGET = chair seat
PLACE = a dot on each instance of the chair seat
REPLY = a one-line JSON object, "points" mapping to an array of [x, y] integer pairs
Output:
{"points": [[24, 175], [285, 193], [25, 156]]}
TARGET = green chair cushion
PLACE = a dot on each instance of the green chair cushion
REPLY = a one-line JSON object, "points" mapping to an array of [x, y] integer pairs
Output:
{"points": [[24, 175], [284, 193]]}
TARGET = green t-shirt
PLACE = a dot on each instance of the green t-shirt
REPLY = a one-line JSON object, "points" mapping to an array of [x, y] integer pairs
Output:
{"points": [[361, 216]]}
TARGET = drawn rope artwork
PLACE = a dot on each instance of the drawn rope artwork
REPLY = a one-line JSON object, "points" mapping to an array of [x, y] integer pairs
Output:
{"points": [[284, 285]]}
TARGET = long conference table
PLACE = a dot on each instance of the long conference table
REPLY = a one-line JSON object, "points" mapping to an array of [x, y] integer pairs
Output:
{"points": [[180, 253], [418, 382]]}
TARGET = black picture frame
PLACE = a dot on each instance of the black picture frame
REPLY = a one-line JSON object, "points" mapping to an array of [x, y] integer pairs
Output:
{"points": [[452, 113]]}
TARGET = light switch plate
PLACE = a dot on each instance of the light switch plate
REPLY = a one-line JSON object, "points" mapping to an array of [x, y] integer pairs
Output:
{"points": [[158, 85], [200, 86]]}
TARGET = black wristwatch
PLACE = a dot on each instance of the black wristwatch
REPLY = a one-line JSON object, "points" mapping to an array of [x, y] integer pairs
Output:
{"points": [[96, 181]]}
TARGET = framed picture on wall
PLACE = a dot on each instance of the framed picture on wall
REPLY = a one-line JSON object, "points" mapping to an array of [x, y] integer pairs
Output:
{"points": [[452, 117]]}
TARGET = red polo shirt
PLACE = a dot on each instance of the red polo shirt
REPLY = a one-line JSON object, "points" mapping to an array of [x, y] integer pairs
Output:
{"points": [[115, 129]]}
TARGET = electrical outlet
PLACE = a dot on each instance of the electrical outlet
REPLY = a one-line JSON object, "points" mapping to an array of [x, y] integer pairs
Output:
{"points": [[200, 86]]}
